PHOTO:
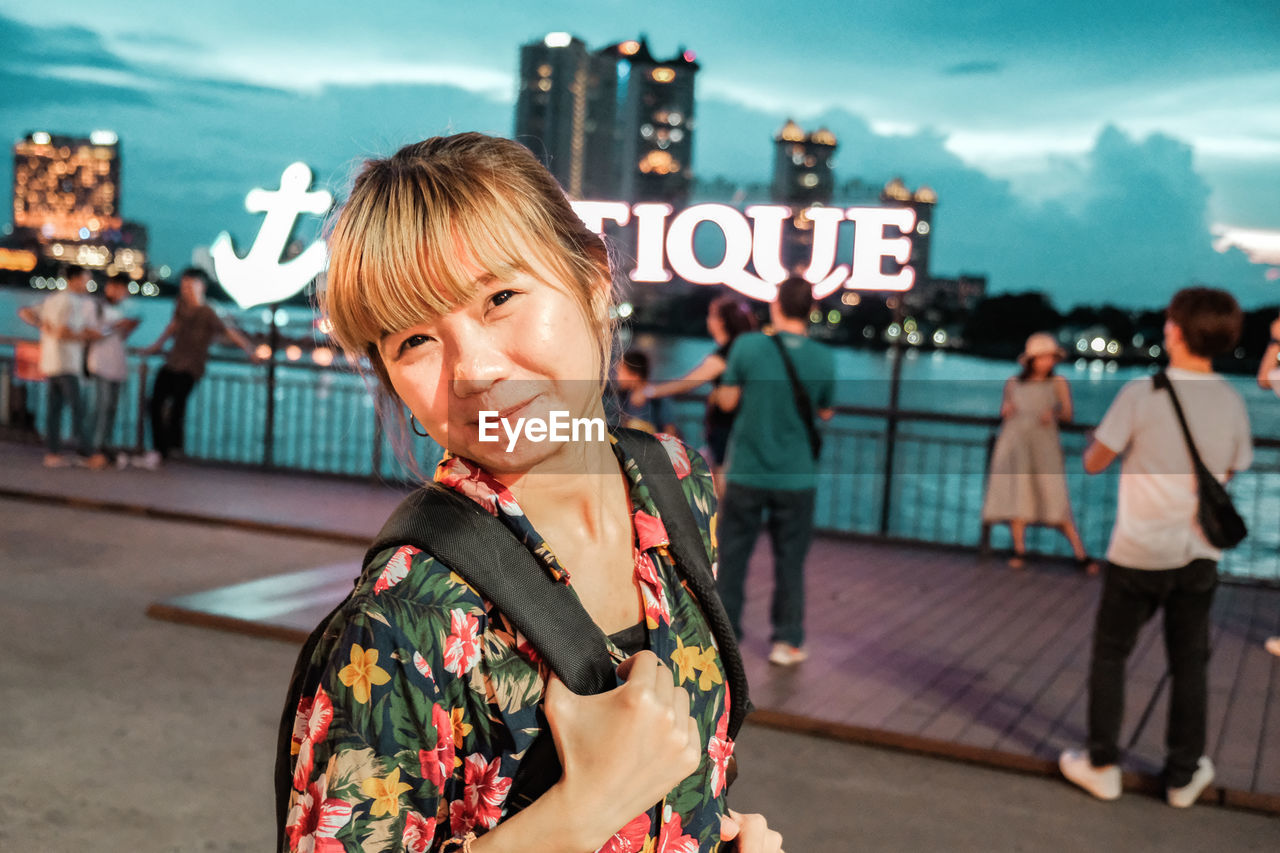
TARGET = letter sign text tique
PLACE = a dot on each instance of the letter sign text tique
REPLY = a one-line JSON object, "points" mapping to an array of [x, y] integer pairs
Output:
{"points": [[664, 245]]}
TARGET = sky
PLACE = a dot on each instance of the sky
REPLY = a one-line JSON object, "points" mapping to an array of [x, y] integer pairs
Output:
{"points": [[1085, 148]]}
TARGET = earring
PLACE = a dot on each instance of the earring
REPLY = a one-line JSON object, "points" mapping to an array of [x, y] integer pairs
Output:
{"points": [[413, 425]]}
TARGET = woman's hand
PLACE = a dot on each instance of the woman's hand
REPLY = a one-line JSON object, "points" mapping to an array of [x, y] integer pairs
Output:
{"points": [[750, 833], [624, 750]]}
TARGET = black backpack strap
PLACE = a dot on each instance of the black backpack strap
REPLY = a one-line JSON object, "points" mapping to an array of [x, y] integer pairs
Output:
{"points": [[689, 554], [457, 531], [801, 395]]}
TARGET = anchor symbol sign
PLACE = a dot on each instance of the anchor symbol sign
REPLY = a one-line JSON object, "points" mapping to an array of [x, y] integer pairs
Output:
{"points": [[259, 277]]}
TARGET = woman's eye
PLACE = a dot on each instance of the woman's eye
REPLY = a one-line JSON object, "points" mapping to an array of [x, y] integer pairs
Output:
{"points": [[413, 341], [501, 297]]}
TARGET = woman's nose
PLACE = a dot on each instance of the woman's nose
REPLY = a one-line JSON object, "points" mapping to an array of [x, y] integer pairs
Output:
{"points": [[477, 363]]}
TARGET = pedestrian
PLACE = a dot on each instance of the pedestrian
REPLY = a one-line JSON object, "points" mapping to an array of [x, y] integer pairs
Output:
{"points": [[1269, 367], [1027, 481], [777, 383], [727, 318], [108, 366], [1159, 559], [633, 409], [460, 272], [193, 328], [63, 319], [1269, 377]]}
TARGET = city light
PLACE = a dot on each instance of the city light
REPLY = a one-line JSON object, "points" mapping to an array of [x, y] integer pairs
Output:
{"points": [[322, 356], [629, 48], [293, 352], [558, 40], [662, 74], [103, 137], [41, 138]]}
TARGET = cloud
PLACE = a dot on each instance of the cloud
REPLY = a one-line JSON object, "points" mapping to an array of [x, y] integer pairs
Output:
{"points": [[964, 69]]}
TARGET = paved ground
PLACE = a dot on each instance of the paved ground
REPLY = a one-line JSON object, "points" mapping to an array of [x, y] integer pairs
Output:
{"points": [[133, 735]]}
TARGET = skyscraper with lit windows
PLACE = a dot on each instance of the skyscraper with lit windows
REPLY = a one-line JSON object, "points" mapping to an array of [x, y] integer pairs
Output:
{"points": [[803, 175], [922, 201], [66, 201], [610, 124]]}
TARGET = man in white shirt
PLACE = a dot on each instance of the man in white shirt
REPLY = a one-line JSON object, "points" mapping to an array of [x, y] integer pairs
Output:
{"points": [[64, 320], [108, 365], [1159, 558]]}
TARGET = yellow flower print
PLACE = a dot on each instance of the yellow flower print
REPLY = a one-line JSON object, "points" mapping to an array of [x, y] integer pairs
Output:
{"points": [[362, 672], [386, 794], [706, 664], [650, 844], [460, 730], [686, 660]]}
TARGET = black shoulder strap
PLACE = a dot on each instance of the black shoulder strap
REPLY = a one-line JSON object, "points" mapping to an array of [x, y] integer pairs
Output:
{"points": [[462, 535], [801, 397], [1161, 382], [690, 558]]}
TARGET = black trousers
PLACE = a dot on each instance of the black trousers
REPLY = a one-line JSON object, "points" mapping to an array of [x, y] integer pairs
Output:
{"points": [[1129, 598], [169, 408]]}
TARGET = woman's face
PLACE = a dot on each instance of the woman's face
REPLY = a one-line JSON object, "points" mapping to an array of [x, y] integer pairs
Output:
{"points": [[1041, 365], [715, 328], [520, 348]]}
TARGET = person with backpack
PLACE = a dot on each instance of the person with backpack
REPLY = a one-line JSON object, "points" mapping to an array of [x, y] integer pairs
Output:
{"points": [[533, 657], [1162, 555], [778, 384]]}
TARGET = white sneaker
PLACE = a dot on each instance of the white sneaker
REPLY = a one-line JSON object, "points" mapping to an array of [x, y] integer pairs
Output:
{"points": [[151, 460], [1186, 796], [785, 654], [1102, 782]]}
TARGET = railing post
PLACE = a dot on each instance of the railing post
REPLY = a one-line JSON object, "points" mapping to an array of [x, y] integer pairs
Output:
{"points": [[984, 541], [377, 445], [891, 438], [141, 432], [269, 421]]}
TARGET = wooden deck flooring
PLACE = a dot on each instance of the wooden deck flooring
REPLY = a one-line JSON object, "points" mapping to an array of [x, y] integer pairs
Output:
{"points": [[935, 651]]}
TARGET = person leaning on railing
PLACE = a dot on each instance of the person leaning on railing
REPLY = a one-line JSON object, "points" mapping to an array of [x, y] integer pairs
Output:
{"points": [[1269, 377]]}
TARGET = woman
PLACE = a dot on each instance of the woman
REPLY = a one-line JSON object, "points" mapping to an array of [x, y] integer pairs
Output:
{"points": [[727, 318], [460, 272], [1027, 482]]}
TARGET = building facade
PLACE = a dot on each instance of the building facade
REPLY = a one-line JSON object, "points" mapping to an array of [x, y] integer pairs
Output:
{"points": [[803, 176], [922, 201], [615, 123], [66, 202]]}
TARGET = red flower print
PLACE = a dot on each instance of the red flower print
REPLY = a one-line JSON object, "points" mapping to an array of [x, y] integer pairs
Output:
{"points": [[462, 646], [720, 750], [395, 570], [650, 532], [485, 793], [419, 832], [629, 839], [314, 821], [437, 764], [319, 714], [671, 839], [421, 665], [468, 479], [677, 454]]}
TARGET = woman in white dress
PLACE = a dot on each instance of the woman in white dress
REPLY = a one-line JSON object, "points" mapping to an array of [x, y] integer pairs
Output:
{"points": [[1027, 482]]}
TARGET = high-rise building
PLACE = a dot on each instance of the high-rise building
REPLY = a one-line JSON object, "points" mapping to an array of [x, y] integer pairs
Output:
{"points": [[803, 175], [66, 201], [610, 124], [922, 201], [654, 122], [564, 113]]}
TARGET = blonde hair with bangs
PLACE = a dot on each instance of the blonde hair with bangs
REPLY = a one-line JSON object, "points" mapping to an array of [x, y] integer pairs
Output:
{"points": [[399, 248]]}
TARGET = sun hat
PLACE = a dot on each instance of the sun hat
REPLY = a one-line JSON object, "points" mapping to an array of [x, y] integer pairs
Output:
{"points": [[1041, 343]]}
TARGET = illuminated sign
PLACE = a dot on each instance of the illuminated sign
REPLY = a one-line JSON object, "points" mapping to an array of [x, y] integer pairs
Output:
{"points": [[260, 277], [754, 237]]}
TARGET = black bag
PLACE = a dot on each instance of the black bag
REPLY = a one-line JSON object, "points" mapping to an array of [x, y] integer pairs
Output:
{"points": [[481, 549], [1222, 525], [802, 400]]}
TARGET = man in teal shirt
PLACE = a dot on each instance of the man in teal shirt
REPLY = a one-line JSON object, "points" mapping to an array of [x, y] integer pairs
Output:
{"points": [[770, 469]]}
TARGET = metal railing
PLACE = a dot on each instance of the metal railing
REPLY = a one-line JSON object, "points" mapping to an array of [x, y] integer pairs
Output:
{"points": [[301, 417]]}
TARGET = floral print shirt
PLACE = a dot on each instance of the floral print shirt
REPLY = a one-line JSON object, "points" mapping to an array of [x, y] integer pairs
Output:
{"points": [[421, 697]]}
